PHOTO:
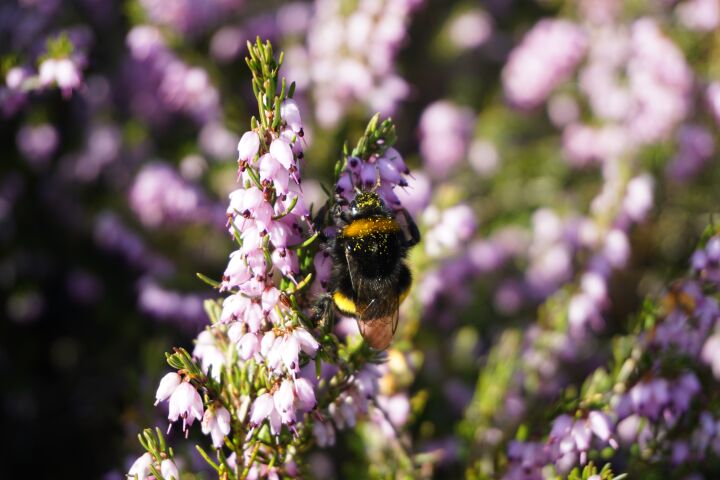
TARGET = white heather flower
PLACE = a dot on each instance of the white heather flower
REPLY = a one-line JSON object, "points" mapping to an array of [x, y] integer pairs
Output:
{"points": [[61, 72], [281, 151], [212, 359], [290, 112], [216, 422], [185, 403], [169, 470], [305, 394], [168, 384], [248, 146], [141, 468]]}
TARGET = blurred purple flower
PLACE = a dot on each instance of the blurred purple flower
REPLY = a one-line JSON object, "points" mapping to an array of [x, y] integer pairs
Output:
{"points": [[701, 15], [696, 146], [445, 131], [470, 29], [37, 143], [159, 196], [546, 57]]}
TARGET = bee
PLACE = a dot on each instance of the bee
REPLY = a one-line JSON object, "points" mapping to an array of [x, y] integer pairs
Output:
{"points": [[370, 278]]}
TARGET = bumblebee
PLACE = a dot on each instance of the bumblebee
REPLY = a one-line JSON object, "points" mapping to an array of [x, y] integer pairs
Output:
{"points": [[369, 278]]}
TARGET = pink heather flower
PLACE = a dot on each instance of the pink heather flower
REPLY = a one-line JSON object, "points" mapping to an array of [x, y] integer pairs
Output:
{"points": [[248, 146], [216, 423], [660, 81], [563, 110], [167, 386], [638, 198], [281, 151], [324, 433], [546, 57], [696, 146], [601, 426], [706, 263], [141, 468], [711, 354], [584, 145], [212, 358], [701, 15], [248, 346], [445, 131], [290, 113], [264, 408], [570, 437], [305, 394], [350, 57], [617, 248], [415, 197], [483, 157], [159, 195], [712, 95], [16, 76], [284, 399], [583, 311], [169, 470], [470, 29], [455, 227], [185, 403], [62, 72], [37, 143]]}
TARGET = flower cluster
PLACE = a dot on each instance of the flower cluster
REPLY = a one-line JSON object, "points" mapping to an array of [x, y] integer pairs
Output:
{"points": [[250, 380], [646, 406], [546, 57], [349, 59], [167, 79]]}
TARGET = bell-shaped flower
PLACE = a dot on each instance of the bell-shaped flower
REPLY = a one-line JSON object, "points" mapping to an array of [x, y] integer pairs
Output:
{"points": [[290, 112], [236, 273], [169, 470], [140, 469], [286, 261], [284, 399], [281, 151], [185, 403], [275, 173], [234, 307], [248, 346], [264, 408], [305, 394], [216, 423], [211, 357], [305, 340], [368, 175], [248, 146], [167, 386]]}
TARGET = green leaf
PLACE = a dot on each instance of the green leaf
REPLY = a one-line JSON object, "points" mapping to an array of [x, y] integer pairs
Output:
{"points": [[208, 280]]}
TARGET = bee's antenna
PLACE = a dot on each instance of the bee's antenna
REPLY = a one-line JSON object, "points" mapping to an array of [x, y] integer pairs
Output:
{"points": [[377, 185]]}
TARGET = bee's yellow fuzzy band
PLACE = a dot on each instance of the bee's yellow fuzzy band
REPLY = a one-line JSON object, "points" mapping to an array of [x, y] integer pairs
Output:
{"points": [[344, 304], [365, 226]]}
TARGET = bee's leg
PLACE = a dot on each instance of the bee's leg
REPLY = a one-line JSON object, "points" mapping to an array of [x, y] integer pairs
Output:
{"points": [[323, 313], [412, 229]]}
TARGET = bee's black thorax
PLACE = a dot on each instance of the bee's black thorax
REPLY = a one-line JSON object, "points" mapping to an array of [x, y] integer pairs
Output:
{"points": [[375, 242]]}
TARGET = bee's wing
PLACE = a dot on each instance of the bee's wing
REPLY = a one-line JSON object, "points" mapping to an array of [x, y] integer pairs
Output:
{"points": [[377, 312], [378, 332]]}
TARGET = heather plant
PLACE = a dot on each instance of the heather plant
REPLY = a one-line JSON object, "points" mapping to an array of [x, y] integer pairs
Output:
{"points": [[268, 378]]}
